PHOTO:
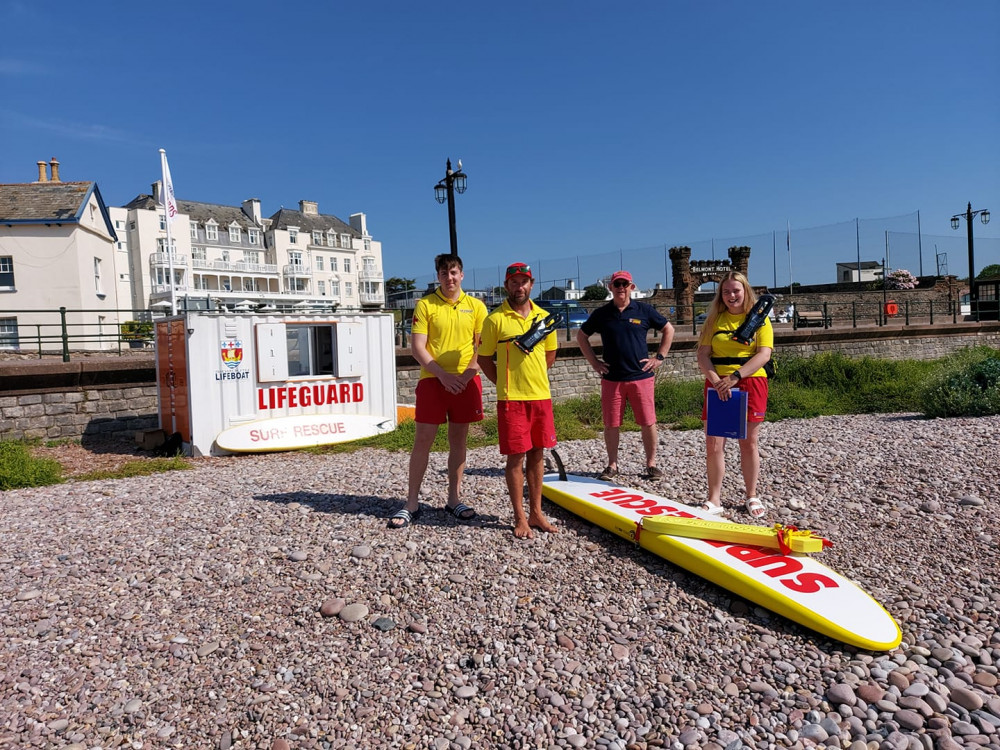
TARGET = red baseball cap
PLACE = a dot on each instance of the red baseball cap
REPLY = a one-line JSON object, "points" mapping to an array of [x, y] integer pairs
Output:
{"points": [[621, 275], [519, 269]]}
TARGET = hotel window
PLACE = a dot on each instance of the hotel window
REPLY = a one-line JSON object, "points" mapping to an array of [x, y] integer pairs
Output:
{"points": [[345, 241], [251, 256], [234, 233], [295, 259], [212, 231], [161, 246], [197, 253], [6, 272], [253, 236], [194, 231], [97, 276], [8, 333], [293, 235], [331, 239], [321, 285], [225, 256], [319, 262], [347, 265], [163, 222], [348, 289], [333, 265], [368, 265], [249, 285], [334, 288], [368, 245], [317, 237]]}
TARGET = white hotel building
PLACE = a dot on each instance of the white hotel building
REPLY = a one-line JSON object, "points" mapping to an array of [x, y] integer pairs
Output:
{"points": [[232, 257]]}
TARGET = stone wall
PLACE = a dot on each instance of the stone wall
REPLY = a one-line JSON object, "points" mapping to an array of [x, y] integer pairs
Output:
{"points": [[115, 398]]}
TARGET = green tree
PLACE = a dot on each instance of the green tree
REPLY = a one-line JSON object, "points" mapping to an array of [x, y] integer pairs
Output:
{"points": [[595, 292], [396, 284], [989, 272]]}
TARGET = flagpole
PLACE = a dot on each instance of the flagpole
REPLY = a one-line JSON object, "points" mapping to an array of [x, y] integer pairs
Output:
{"points": [[788, 245], [169, 211]]}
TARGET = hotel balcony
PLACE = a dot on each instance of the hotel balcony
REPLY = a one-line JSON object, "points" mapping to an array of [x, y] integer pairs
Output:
{"points": [[369, 274], [230, 267], [162, 260], [371, 298], [297, 271]]}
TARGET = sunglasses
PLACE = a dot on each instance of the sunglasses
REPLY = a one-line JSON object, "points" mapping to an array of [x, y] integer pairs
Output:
{"points": [[621, 284], [518, 268]]}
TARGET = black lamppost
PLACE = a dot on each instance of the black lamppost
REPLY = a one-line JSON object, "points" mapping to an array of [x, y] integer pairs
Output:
{"points": [[984, 216], [445, 191]]}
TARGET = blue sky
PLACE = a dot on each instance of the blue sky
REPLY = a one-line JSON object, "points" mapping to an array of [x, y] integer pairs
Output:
{"points": [[586, 128]]}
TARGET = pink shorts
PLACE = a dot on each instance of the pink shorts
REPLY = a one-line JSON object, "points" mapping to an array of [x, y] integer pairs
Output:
{"points": [[756, 389], [637, 393], [436, 406], [523, 425]]}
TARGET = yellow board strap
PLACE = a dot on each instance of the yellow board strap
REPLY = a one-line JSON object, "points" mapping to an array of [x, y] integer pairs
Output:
{"points": [[787, 539]]}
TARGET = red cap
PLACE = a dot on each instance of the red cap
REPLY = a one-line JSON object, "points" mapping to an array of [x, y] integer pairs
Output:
{"points": [[621, 275], [519, 269]]}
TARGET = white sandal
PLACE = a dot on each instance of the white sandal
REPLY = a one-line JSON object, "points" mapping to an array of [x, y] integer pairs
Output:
{"points": [[711, 509], [756, 507]]}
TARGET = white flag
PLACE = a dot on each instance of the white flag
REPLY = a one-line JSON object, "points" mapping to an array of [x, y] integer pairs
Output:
{"points": [[168, 199]]}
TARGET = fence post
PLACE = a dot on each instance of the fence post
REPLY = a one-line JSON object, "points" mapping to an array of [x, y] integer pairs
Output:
{"points": [[826, 316], [906, 312], [65, 334], [854, 314], [932, 311]]}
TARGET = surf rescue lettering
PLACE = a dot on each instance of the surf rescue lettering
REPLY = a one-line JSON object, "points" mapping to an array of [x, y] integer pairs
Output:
{"points": [[264, 434], [292, 396], [784, 567]]}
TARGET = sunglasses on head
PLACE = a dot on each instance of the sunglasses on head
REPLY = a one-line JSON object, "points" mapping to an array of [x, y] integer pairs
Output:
{"points": [[621, 284], [518, 268]]}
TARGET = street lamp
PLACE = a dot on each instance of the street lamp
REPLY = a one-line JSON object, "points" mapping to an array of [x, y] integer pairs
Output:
{"points": [[984, 216], [445, 191]]}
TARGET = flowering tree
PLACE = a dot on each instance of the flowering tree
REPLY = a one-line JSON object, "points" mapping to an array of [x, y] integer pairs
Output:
{"points": [[901, 279]]}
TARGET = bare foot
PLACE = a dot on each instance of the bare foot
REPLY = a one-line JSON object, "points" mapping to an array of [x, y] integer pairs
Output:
{"points": [[542, 524], [523, 531]]}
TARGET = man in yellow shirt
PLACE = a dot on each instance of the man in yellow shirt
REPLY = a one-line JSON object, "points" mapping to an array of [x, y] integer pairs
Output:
{"points": [[524, 402], [447, 324]]}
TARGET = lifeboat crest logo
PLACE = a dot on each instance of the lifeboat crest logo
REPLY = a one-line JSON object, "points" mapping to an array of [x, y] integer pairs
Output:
{"points": [[231, 351]]}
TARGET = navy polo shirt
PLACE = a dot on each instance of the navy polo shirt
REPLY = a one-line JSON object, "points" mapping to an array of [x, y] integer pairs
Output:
{"points": [[623, 335]]}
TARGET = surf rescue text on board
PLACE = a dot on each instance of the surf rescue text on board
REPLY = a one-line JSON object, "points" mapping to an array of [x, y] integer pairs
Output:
{"points": [[264, 434], [783, 567], [293, 396]]}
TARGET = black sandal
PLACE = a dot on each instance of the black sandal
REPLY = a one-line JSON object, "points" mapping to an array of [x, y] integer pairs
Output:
{"points": [[462, 511], [405, 516]]}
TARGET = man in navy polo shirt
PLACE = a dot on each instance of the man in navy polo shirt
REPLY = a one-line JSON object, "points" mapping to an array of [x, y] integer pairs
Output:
{"points": [[627, 370]]}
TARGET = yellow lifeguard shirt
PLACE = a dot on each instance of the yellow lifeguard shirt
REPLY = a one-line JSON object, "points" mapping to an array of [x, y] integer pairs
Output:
{"points": [[520, 376], [723, 344], [451, 328]]}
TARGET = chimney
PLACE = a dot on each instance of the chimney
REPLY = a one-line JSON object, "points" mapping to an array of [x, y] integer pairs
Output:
{"points": [[251, 207], [55, 169], [309, 207], [43, 172], [359, 223], [571, 283], [156, 191]]}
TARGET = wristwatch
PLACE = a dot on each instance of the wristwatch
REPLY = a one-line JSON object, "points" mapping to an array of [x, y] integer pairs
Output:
{"points": [[659, 356], [737, 374]]}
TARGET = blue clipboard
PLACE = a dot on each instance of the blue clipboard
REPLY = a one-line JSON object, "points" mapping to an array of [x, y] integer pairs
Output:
{"points": [[726, 418]]}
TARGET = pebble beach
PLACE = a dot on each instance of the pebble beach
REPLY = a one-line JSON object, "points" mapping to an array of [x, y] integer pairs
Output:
{"points": [[259, 601]]}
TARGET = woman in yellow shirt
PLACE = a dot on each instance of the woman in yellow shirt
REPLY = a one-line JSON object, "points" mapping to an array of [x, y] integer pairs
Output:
{"points": [[726, 364]]}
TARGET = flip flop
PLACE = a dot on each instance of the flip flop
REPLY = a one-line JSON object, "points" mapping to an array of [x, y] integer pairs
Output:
{"points": [[711, 509], [462, 511], [755, 507], [405, 516]]}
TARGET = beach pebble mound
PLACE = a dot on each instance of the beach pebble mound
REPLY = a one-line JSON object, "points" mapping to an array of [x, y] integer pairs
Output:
{"points": [[259, 601]]}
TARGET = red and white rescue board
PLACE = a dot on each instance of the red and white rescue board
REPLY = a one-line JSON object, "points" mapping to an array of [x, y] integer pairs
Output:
{"points": [[795, 586], [303, 431]]}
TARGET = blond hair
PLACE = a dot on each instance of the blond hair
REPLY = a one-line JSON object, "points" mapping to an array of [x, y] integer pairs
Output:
{"points": [[717, 306]]}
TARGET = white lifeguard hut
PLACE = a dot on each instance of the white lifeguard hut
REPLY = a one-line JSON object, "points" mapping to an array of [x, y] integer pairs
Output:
{"points": [[238, 382]]}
